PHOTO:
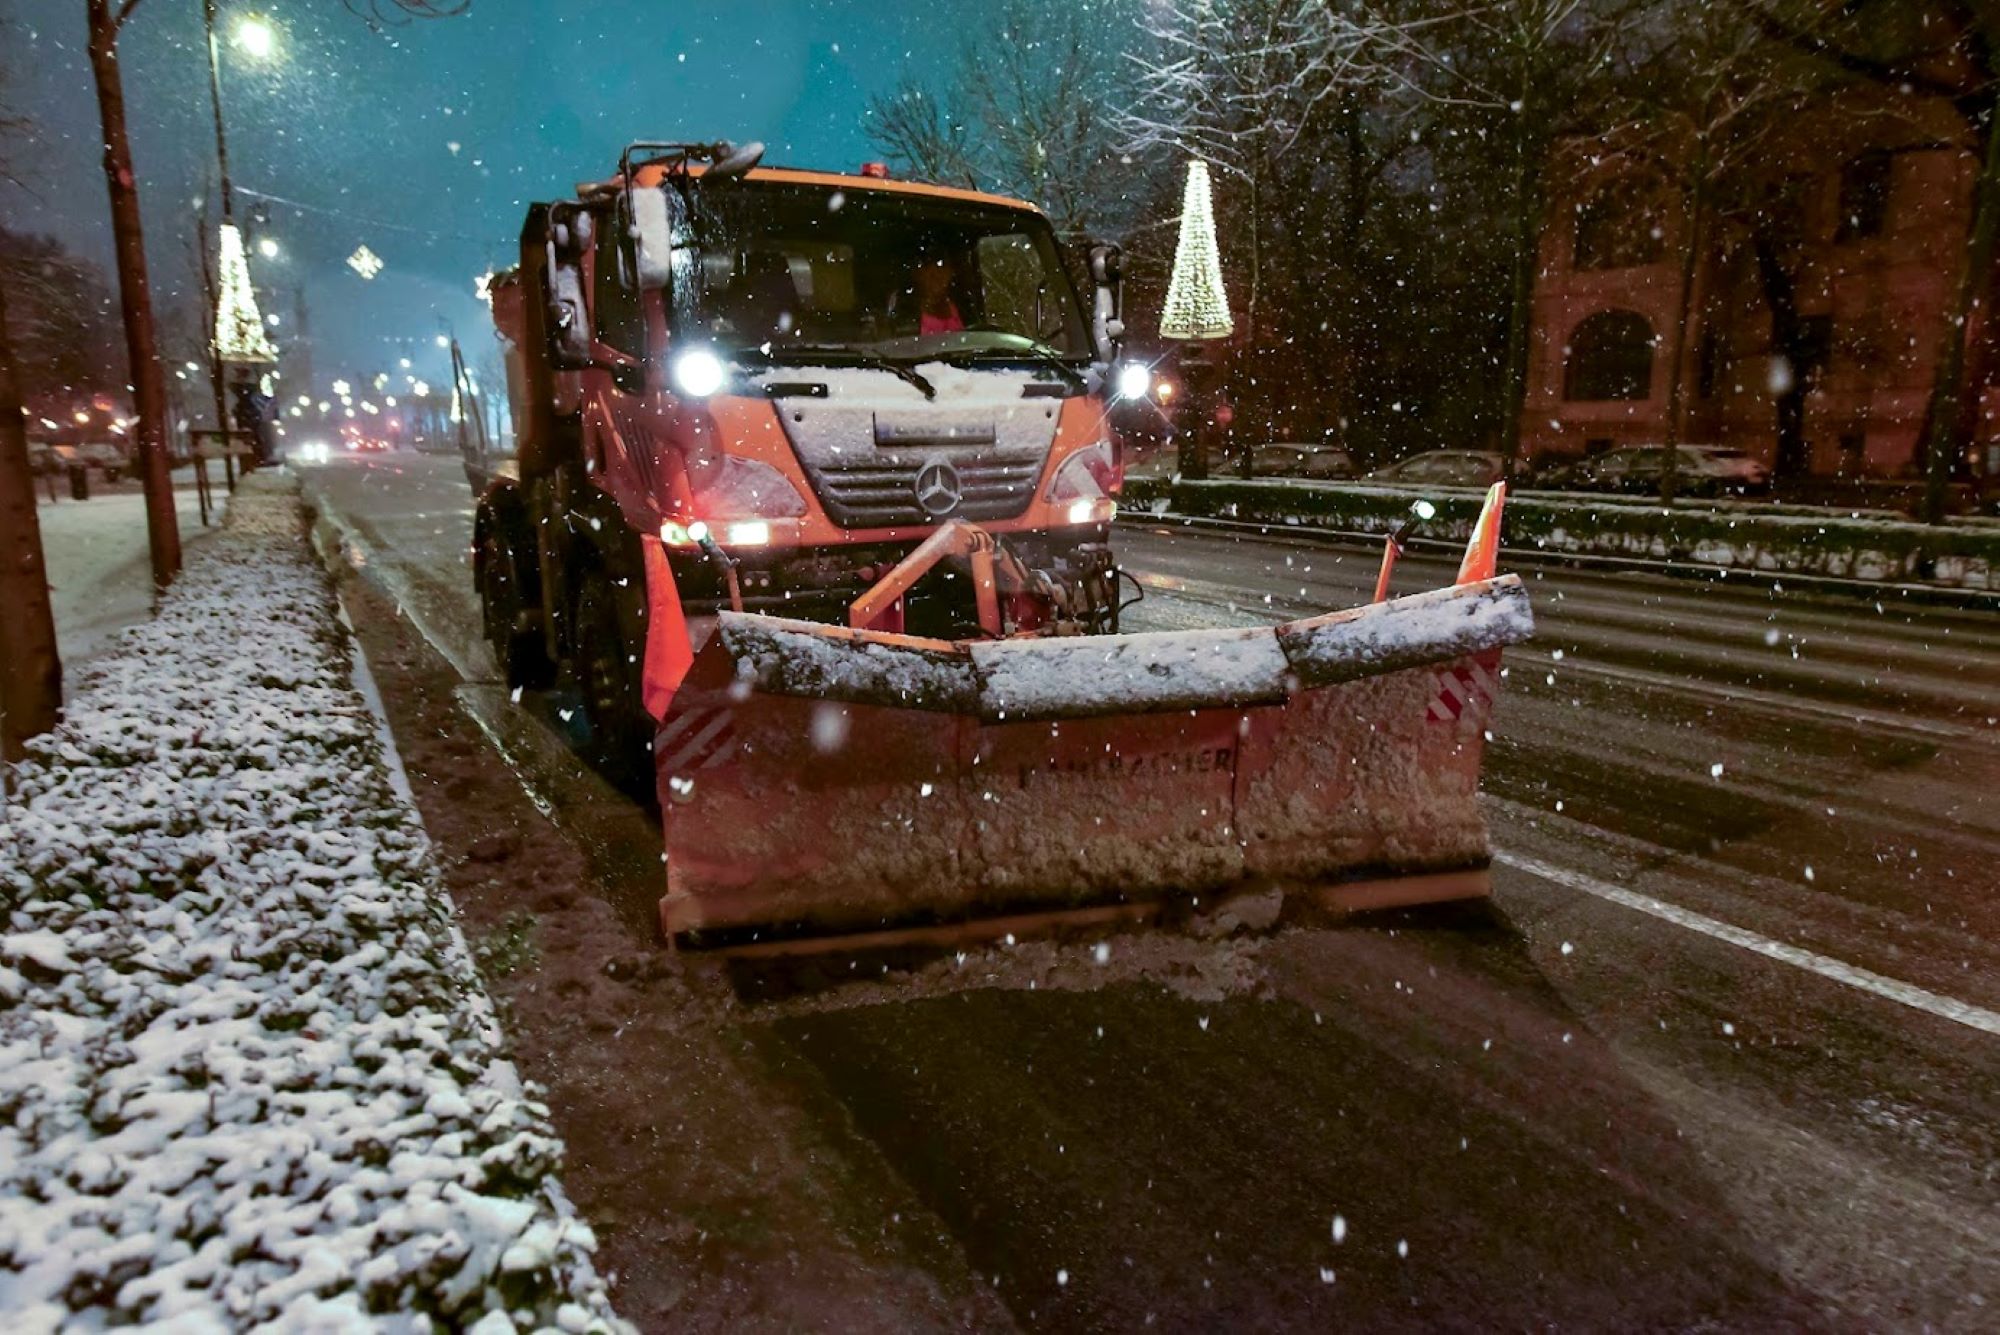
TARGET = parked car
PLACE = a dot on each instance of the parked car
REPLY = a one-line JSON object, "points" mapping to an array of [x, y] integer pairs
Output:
{"points": [[1323, 462], [1444, 468], [106, 456], [1702, 470]]}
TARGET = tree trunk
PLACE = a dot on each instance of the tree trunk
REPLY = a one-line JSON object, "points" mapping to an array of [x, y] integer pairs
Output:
{"points": [[1696, 214], [1256, 259], [1948, 411], [30, 671], [1521, 294], [1349, 283], [149, 390], [1780, 292]]}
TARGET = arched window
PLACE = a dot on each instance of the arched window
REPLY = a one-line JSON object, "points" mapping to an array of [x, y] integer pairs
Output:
{"points": [[1610, 356], [1619, 226]]}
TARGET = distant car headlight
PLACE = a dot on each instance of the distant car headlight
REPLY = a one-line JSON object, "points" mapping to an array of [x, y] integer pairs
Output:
{"points": [[1133, 381], [698, 373]]}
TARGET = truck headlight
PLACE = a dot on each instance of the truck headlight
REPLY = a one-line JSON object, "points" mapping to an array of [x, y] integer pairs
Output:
{"points": [[1133, 381], [698, 373]]}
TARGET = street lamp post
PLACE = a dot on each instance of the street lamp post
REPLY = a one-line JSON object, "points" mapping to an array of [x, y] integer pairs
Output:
{"points": [[215, 103], [239, 340]]}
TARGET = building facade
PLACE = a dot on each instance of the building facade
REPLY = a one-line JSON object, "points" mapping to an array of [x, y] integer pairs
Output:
{"points": [[1816, 321]]}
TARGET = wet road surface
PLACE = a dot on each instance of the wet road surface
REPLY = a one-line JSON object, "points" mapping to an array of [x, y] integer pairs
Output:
{"points": [[1725, 1046]]}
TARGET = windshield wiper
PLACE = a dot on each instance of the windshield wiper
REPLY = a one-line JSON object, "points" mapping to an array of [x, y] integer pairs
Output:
{"points": [[830, 352], [1035, 351]]}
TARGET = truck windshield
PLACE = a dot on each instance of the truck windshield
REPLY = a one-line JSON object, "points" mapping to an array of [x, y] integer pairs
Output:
{"points": [[794, 272]]}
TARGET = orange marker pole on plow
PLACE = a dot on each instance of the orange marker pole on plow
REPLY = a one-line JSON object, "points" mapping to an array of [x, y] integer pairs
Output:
{"points": [[1420, 512], [1482, 553]]}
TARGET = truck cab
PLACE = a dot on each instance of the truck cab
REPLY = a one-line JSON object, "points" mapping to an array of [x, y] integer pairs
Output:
{"points": [[760, 388]]}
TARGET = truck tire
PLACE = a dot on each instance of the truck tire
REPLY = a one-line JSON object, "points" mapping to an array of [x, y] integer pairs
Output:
{"points": [[516, 641], [609, 679]]}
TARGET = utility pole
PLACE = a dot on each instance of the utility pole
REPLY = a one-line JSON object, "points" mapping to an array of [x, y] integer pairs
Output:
{"points": [[218, 372], [149, 386], [30, 671]]}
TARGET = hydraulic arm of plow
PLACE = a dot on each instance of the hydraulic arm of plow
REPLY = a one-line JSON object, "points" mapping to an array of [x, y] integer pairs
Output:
{"points": [[1008, 597]]}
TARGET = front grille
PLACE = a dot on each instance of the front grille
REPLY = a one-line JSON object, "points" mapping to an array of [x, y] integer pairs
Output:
{"points": [[878, 495]]}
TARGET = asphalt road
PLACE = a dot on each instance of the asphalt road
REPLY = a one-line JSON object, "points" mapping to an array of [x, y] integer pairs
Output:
{"points": [[1724, 1049]]}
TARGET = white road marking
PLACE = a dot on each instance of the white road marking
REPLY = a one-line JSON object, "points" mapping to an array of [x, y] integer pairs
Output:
{"points": [[1752, 697], [1891, 989]]}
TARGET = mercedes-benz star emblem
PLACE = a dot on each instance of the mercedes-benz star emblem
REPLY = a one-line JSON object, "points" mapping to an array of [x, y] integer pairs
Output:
{"points": [[937, 489]]}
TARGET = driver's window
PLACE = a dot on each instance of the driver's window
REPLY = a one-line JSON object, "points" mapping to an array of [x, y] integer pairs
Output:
{"points": [[1011, 284], [614, 302]]}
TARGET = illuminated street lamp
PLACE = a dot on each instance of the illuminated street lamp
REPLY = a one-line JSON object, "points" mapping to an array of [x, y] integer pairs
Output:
{"points": [[254, 36], [267, 247]]}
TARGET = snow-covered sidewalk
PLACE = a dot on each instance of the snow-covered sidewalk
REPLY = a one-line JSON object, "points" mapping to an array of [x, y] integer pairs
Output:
{"points": [[100, 575], [247, 1072]]}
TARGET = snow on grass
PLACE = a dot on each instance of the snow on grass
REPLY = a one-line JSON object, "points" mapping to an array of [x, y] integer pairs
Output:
{"points": [[247, 1073]]}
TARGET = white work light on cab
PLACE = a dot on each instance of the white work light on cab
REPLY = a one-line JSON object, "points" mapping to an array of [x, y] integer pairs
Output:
{"points": [[1134, 381], [698, 373]]}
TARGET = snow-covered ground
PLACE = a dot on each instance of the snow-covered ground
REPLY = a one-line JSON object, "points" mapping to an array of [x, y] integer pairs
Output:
{"points": [[100, 572], [248, 1076]]}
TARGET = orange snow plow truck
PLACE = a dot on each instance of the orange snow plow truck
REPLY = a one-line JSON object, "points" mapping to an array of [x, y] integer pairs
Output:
{"points": [[811, 509]]}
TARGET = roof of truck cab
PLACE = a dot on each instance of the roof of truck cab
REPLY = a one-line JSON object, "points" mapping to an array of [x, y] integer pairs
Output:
{"points": [[653, 173]]}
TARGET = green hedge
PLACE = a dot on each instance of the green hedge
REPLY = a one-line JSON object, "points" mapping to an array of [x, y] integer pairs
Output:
{"points": [[1787, 540]]}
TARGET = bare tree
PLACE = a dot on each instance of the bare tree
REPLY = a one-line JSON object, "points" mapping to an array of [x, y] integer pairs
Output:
{"points": [[1040, 90], [1231, 82], [64, 321], [1512, 77], [1707, 115], [1024, 114], [1948, 49], [921, 135]]}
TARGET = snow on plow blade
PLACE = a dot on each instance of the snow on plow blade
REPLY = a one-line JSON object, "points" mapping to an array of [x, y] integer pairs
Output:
{"points": [[837, 780]]}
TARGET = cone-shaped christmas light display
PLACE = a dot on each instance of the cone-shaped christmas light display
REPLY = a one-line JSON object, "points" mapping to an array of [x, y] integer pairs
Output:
{"points": [[1196, 305], [239, 327]]}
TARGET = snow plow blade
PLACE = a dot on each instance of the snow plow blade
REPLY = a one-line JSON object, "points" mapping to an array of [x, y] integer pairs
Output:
{"points": [[822, 779]]}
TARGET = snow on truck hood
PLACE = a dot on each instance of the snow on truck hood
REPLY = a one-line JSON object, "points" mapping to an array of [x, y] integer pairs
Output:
{"points": [[865, 442]]}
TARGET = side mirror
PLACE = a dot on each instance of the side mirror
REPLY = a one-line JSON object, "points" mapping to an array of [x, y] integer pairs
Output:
{"points": [[735, 161], [657, 218], [566, 319], [1107, 273]]}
